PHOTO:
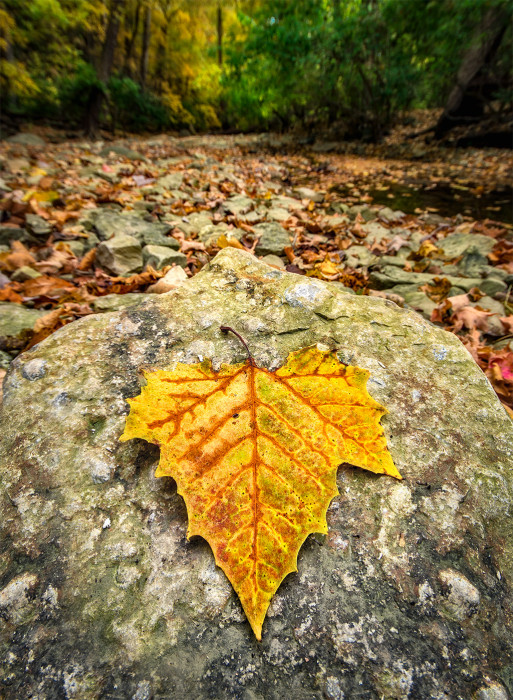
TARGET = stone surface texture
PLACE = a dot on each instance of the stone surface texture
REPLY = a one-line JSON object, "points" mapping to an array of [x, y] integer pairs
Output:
{"points": [[16, 324], [121, 255], [101, 594]]}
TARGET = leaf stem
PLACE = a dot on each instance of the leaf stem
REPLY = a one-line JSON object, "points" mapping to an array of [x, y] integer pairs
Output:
{"points": [[228, 329]]}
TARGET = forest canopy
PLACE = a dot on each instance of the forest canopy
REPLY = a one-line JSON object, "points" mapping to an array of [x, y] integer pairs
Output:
{"points": [[147, 65]]}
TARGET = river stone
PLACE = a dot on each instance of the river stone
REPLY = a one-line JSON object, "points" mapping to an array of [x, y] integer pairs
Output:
{"points": [[238, 204], [457, 243], [24, 273], [390, 276], [408, 596], [359, 256], [14, 233], [27, 139], [121, 255], [16, 324], [37, 225], [158, 256], [273, 238], [108, 223], [123, 151]]}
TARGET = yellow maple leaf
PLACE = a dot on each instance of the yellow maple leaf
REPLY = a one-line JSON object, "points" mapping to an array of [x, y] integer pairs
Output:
{"points": [[255, 454]]}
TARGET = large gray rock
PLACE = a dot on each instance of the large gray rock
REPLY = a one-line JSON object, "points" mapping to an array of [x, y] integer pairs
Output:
{"points": [[102, 596], [121, 255]]}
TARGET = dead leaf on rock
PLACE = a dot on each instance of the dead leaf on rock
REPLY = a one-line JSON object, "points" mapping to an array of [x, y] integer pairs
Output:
{"points": [[438, 289], [255, 455]]}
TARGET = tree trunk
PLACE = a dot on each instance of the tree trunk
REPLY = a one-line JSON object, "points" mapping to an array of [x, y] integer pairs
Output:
{"points": [[483, 48], [105, 69], [145, 46], [130, 41], [219, 34]]}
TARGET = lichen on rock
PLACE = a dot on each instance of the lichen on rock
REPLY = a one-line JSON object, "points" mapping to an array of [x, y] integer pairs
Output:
{"points": [[101, 594]]}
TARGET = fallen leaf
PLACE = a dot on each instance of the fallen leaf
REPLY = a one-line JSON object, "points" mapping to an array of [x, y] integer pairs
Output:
{"points": [[438, 289], [507, 322], [87, 261], [19, 257], [3, 372], [60, 261], [193, 245], [43, 286], [8, 294], [471, 318], [225, 242], [255, 456], [48, 321]]}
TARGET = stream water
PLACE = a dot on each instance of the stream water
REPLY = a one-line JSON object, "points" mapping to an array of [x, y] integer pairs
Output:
{"points": [[447, 201]]}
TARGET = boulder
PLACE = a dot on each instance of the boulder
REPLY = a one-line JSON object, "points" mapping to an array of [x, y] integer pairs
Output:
{"points": [[121, 255], [158, 257], [16, 325], [273, 238], [102, 595]]}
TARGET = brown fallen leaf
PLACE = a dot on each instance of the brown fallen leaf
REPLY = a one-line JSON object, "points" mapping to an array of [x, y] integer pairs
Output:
{"points": [[289, 252], [8, 294], [471, 318], [19, 257], [43, 286], [87, 261], [60, 261], [192, 245], [507, 322], [438, 289]]}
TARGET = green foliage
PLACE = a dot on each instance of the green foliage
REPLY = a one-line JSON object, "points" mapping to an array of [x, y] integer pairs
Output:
{"points": [[350, 65], [134, 109]]}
